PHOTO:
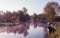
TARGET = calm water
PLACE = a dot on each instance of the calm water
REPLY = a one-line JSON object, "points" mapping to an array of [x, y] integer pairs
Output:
{"points": [[24, 30]]}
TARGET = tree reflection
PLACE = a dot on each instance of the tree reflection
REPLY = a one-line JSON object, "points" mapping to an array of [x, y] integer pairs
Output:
{"points": [[20, 29]]}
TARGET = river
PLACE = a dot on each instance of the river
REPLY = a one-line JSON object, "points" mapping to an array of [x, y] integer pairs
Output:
{"points": [[22, 31]]}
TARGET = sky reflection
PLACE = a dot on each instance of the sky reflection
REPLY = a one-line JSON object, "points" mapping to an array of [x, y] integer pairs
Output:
{"points": [[23, 30]]}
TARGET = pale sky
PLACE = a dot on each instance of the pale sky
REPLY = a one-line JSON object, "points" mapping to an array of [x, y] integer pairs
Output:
{"points": [[33, 6]]}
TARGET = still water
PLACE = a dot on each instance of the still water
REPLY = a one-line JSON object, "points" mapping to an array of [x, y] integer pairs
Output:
{"points": [[24, 30]]}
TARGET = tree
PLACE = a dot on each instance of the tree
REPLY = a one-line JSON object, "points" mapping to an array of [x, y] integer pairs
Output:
{"points": [[20, 15], [24, 10], [50, 9], [23, 15], [35, 16]]}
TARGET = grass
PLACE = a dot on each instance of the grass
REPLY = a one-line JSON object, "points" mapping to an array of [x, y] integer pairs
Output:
{"points": [[55, 34]]}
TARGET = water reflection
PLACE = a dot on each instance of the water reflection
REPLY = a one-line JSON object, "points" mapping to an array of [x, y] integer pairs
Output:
{"points": [[28, 29]]}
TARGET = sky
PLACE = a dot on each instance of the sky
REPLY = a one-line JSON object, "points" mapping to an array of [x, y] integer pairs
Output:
{"points": [[33, 6]]}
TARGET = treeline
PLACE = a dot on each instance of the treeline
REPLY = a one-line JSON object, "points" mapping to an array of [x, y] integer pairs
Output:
{"points": [[14, 17], [51, 10], [19, 16]]}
